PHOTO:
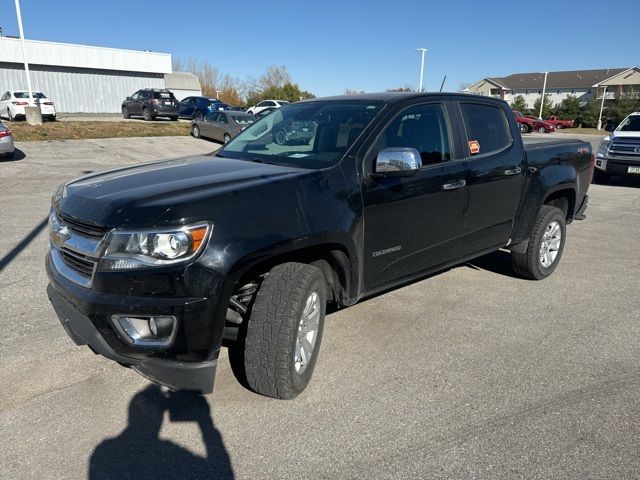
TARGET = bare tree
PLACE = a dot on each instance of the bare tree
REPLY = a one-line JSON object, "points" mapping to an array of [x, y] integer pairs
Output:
{"points": [[275, 76]]}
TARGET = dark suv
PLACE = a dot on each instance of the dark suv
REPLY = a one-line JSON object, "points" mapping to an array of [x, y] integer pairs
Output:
{"points": [[151, 103]]}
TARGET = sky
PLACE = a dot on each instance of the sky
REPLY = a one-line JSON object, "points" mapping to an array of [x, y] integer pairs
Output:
{"points": [[329, 46]]}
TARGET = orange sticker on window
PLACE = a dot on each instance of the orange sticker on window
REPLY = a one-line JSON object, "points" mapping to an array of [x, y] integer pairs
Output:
{"points": [[474, 147]]}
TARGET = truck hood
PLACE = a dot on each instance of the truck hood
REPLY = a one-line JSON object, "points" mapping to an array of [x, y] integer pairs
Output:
{"points": [[139, 195], [617, 134]]}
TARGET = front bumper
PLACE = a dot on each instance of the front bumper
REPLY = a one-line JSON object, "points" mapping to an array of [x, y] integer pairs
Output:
{"points": [[617, 165], [189, 364]]}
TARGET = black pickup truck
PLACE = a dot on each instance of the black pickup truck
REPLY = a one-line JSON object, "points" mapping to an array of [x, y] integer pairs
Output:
{"points": [[155, 265]]}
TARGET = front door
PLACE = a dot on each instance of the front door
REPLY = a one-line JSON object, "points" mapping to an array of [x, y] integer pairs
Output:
{"points": [[413, 223], [496, 176]]}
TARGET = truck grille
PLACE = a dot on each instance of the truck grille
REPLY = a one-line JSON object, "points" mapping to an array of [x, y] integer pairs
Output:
{"points": [[80, 263], [83, 228], [629, 147]]}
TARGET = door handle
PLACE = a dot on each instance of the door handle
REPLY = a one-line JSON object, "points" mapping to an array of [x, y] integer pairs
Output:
{"points": [[454, 185], [513, 171]]}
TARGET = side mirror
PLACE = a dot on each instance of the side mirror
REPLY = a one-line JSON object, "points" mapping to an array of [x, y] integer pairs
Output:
{"points": [[128, 98], [397, 162]]}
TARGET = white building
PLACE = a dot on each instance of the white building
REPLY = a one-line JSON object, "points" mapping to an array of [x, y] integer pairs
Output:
{"points": [[583, 84], [81, 78], [183, 84]]}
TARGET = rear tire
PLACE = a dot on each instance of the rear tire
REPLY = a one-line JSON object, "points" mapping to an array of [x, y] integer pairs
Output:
{"points": [[523, 128], [541, 130], [281, 346], [226, 138], [125, 113], [9, 116], [173, 119], [146, 115], [280, 137], [543, 252]]}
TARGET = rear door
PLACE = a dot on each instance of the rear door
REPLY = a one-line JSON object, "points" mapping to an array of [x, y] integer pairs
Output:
{"points": [[495, 177], [209, 126]]}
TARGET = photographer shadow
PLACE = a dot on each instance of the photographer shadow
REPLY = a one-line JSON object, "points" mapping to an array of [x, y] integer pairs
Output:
{"points": [[138, 453]]}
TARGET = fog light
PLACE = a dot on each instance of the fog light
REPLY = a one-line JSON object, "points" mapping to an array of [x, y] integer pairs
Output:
{"points": [[146, 331]]}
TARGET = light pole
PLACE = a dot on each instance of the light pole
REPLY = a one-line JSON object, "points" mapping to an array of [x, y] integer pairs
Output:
{"points": [[217, 94], [604, 94], [544, 88], [422, 52], [37, 119]]}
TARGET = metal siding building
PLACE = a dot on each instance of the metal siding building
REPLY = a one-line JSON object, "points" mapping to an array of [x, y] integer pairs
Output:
{"points": [[80, 78]]}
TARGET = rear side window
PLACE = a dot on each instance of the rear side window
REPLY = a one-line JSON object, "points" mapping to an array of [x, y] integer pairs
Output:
{"points": [[486, 125]]}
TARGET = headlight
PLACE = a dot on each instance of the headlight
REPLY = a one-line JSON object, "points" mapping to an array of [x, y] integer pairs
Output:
{"points": [[127, 250], [602, 149]]}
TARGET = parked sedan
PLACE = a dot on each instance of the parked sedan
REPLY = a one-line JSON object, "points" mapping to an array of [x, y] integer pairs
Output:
{"points": [[12, 104], [542, 126], [221, 126], [6, 141], [199, 107]]}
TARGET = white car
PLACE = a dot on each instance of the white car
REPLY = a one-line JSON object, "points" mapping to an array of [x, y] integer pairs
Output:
{"points": [[12, 103], [266, 104]]}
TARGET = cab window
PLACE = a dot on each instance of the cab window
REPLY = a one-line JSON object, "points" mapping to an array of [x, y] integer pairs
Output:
{"points": [[486, 125], [422, 127]]}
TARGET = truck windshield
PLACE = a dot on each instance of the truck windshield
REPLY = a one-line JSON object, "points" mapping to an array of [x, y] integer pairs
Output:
{"points": [[630, 124], [309, 134]]}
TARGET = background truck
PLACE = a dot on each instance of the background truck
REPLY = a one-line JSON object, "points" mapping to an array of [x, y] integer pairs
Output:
{"points": [[559, 123], [619, 153], [154, 266]]}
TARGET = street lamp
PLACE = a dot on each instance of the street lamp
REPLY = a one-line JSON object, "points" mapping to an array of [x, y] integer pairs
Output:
{"points": [[544, 87], [422, 52], [604, 94], [217, 94], [37, 119]]}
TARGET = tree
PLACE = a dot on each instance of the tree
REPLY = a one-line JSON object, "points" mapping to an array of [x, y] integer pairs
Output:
{"points": [[569, 108], [520, 104], [589, 113], [406, 88], [275, 76], [546, 109], [623, 106]]}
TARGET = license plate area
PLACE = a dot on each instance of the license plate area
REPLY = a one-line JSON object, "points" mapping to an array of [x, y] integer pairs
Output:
{"points": [[634, 170]]}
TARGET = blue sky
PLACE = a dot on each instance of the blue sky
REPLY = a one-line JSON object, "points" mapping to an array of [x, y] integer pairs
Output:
{"points": [[330, 45]]}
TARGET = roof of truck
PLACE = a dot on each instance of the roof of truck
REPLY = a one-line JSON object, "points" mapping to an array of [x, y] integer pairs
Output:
{"points": [[398, 96]]}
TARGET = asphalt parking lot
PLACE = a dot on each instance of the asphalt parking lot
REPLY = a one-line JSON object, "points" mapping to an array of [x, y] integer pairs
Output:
{"points": [[470, 373]]}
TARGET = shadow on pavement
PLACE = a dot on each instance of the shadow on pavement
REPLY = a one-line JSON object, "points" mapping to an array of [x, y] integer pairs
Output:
{"points": [[497, 262], [138, 453], [13, 253], [17, 155]]}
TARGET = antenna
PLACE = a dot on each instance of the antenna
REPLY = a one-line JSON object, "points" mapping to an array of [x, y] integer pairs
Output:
{"points": [[443, 80]]}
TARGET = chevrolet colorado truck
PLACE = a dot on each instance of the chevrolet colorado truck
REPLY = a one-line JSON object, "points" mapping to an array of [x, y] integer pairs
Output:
{"points": [[619, 153], [155, 265]]}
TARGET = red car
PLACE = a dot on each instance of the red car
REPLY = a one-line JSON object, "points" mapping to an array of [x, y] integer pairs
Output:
{"points": [[559, 123], [526, 123]]}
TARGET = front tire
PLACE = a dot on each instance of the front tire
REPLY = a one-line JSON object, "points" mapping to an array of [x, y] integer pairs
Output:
{"points": [[541, 130], [559, 126], [542, 254], [195, 131], [284, 330]]}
